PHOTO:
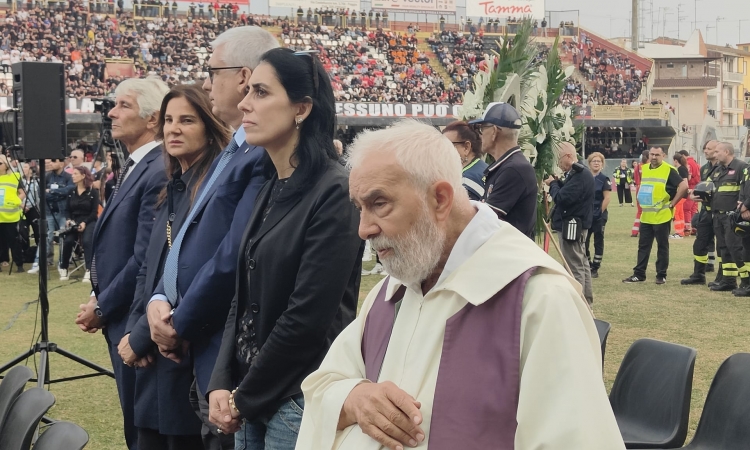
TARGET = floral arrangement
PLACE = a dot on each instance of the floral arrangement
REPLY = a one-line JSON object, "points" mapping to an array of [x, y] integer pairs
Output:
{"points": [[546, 123]]}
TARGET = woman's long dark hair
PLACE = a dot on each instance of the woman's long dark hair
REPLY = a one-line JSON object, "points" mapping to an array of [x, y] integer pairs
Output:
{"points": [[115, 168], [466, 133], [680, 159], [217, 134], [304, 80]]}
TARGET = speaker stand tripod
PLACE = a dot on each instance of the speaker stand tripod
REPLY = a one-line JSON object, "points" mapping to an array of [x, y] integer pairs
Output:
{"points": [[44, 347]]}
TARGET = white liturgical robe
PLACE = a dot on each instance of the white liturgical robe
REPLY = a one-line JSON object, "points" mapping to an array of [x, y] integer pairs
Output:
{"points": [[562, 404]]}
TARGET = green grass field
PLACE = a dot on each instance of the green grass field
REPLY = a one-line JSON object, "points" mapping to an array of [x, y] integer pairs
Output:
{"points": [[713, 323]]}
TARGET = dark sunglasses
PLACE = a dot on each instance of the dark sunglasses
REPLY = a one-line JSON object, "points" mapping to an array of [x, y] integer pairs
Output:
{"points": [[479, 128], [313, 58], [211, 71]]}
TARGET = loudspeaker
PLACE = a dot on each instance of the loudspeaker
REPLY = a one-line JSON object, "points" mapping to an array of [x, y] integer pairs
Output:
{"points": [[39, 96]]}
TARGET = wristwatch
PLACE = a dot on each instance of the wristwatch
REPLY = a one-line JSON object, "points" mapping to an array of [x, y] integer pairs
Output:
{"points": [[98, 312]]}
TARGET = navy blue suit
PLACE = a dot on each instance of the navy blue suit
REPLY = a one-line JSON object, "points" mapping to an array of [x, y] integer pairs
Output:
{"points": [[121, 239], [208, 258]]}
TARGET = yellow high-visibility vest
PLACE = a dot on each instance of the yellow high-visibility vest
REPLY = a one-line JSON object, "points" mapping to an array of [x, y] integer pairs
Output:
{"points": [[653, 196], [10, 202]]}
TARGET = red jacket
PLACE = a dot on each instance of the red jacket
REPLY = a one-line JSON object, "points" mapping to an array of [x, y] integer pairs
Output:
{"points": [[695, 172]]}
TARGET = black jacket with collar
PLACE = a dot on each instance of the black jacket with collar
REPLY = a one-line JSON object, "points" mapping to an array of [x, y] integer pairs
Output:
{"points": [[298, 273], [573, 197]]}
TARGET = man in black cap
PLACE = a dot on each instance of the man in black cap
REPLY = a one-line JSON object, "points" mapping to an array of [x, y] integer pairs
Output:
{"points": [[511, 189]]}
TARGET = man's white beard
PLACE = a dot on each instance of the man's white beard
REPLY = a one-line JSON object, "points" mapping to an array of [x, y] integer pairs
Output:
{"points": [[416, 254]]}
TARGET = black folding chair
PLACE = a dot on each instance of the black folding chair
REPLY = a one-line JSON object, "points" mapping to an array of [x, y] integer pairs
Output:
{"points": [[725, 420], [603, 328], [13, 384], [23, 418], [651, 394], [62, 436]]}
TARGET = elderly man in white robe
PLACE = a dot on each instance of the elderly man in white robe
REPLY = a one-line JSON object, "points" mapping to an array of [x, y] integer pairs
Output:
{"points": [[477, 340]]}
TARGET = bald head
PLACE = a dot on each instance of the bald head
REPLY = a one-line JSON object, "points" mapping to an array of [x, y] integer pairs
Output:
{"points": [[709, 150], [566, 156], [76, 158], [724, 153]]}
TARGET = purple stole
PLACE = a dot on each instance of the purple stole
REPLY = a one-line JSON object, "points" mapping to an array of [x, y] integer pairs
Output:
{"points": [[476, 396]]}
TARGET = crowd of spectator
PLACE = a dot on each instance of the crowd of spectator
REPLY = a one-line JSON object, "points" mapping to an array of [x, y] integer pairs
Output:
{"points": [[372, 65], [615, 79]]}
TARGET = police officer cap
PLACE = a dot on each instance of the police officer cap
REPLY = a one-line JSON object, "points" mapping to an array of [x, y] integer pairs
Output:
{"points": [[500, 114]]}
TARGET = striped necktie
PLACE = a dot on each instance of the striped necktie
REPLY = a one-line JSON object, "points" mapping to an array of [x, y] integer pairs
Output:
{"points": [[170, 266]]}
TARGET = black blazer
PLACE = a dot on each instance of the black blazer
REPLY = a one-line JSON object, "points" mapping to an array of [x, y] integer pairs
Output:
{"points": [[573, 197], [299, 272]]}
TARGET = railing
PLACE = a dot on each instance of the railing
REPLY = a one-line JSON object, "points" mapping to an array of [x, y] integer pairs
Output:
{"points": [[734, 77], [732, 103], [730, 131], [648, 88], [617, 112]]}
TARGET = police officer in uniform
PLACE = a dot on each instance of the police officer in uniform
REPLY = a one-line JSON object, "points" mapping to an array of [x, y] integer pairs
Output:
{"points": [[510, 182], [703, 246], [728, 180]]}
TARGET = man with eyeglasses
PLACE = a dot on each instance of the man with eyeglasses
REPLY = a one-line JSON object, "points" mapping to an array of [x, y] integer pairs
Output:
{"points": [[188, 310], [510, 182], [76, 160]]}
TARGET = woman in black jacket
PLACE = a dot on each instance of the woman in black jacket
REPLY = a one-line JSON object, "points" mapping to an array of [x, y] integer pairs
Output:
{"points": [[83, 209], [300, 259]]}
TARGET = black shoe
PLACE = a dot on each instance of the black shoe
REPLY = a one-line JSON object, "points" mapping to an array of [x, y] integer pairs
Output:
{"points": [[633, 235], [742, 291], [693, 279], [19, 269], [724, 286], [594, 273], [633, 279], [661, 280], [709, 268]]}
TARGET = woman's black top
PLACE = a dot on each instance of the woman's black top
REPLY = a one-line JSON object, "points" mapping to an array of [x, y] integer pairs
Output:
{"points": [[83, 207], [684, 172]]}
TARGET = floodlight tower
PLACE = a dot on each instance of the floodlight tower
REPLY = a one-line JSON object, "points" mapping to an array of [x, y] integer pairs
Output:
{"points": [[634, 38]]}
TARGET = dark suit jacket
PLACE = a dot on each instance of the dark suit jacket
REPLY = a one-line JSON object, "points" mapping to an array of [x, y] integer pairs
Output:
{"points": [[208, 257], [162, 390], [121, 238], [574, 198], [299, 273]]}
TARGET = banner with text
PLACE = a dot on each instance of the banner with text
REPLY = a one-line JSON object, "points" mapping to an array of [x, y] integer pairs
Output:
{"points": [[426, 6], [324, 4], [504, 9], [414, 110]]}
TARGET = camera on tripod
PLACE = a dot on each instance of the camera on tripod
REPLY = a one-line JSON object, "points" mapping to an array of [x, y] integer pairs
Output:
{"points": [[66, 231], [104, 106]]}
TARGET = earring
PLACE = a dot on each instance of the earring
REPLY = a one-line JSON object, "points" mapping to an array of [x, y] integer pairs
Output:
{"points": [[298, 121]]}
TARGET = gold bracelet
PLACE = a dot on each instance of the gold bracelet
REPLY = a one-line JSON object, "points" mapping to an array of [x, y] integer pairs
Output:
{"points": [[231, 401]]}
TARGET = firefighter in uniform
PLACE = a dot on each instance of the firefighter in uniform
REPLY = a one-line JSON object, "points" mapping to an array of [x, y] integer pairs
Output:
{"points": [[624, 178], [728, 180], [703, 246], [745, 216]]}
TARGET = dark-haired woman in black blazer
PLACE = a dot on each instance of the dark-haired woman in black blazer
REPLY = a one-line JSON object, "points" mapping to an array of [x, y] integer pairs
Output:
{"points": [[300, 260]]}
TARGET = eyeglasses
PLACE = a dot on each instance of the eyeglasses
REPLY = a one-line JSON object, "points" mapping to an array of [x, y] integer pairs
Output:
{"points": [[211, 71], [313, 58], [74, 157], [479, 128], [459, 142]]}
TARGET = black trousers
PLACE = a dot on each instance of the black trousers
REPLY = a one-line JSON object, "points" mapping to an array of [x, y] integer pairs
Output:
{"points": [[646, 238], [597, 230], [704, 239], [623, 191], [87, 241], [151, 440], [32, 221], [9, 240], [212, 439], [729, 247]]}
